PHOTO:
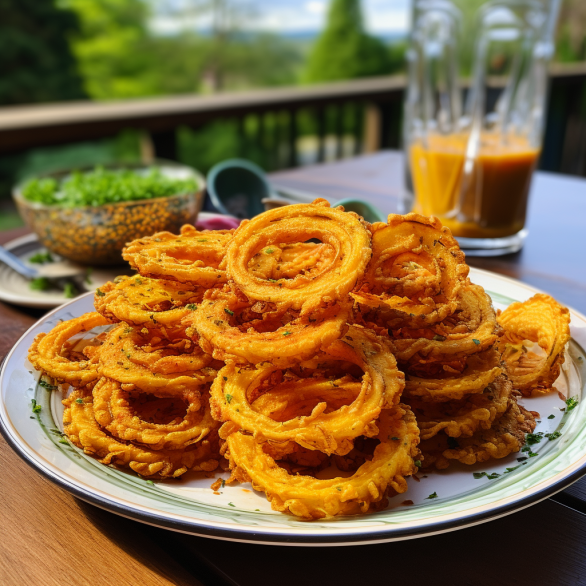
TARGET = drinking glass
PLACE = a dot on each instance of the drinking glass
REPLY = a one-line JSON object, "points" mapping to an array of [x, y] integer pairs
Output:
{"points": [[474, 115]]}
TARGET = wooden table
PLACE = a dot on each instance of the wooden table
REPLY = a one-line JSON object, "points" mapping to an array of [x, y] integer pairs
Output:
{"points": [[50, 538]]}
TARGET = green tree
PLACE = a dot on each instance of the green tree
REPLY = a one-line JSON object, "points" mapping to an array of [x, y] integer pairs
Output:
{"points": [[37, 64], [344, 50]]}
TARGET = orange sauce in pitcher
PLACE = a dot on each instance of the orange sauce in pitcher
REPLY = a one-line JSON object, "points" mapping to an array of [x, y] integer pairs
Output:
{"points": [[494, 197]]}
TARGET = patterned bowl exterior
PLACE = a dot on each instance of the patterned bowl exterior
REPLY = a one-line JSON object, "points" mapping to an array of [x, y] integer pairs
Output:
{"points": [[96, 235]]}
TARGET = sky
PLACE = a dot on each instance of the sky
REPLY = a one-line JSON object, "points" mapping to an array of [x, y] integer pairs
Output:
{"points": [[293, 16]]}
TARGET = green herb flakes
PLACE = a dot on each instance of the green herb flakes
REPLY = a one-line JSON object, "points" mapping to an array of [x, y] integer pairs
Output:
{"points": [[552, 416], [41, 258], [571, 403], [69, 291], [229, 311], [228, 398], [46, 385], [477, 342], [553, 436], [433, 495], [79, 401], [39, 284], [35, 406]]}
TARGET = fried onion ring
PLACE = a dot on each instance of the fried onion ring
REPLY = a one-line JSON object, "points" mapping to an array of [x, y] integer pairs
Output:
{"points": [[463, 418], [222, 333], [542, 321], [153, 365], [416, 271], [145, 302], [83, 430], [191, 257], [114, 412], [45, 353], [312, 498], [481, 370], [506, 436], [331, 433], [342, 231], [471, 329]]}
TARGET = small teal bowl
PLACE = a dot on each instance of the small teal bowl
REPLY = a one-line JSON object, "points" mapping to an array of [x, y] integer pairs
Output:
{"points": [[362, 208]]}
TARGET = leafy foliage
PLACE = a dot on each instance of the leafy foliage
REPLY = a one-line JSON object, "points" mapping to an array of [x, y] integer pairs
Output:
{"points": [[344, 50], [37, 63]]}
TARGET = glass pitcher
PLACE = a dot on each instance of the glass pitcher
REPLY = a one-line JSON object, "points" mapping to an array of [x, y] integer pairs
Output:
{"points": [[472, 147]]}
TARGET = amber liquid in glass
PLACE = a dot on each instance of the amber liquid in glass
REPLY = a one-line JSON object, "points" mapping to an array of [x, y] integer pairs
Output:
{"points": [[490, 200]]}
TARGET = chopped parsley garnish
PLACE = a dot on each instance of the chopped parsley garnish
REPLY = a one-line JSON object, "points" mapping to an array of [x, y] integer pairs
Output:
{"points": [[36, 408], [553, 436], [552, 416], [477, 342], [433, 495], [191, 306], [99, 293], [69, 290], [150, 482], [492, 476], [394, 438], [228, 398], [79, 401], [269, 251], [286, 333], [417, 463], [46, 385], [225, 377], [39, 284], [338, 488], [63, 441], [507, 470], [228, 311], [521, 459], [223, 483], [272, 280], [534, 438], [202, 239], [41, 257], [532, 454], [231, 505], [571, 403]]}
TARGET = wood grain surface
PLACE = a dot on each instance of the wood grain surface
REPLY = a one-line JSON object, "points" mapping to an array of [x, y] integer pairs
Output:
{"points": [[50, 538]]}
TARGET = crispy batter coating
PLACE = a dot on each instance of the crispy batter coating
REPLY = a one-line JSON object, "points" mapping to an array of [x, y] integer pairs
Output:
{"points": [[113, 410], [342, 231], [333, 432], [479, 371], [229, 328], [542, 321], [462, 418], [84, 431], [416, 270], [45, 354], [308, 497], [190, 257], [145, 302], [506, 436]]}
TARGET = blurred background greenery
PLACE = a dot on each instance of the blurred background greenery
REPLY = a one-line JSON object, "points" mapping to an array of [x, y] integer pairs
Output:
{"points": [[58, 50]]}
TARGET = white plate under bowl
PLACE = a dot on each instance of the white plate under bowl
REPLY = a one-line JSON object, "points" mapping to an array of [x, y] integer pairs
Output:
{"points": [[15, 288], [240, 514]]}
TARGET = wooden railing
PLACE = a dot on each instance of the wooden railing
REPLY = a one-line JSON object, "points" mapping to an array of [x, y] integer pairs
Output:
{"points": [[367, 109]]}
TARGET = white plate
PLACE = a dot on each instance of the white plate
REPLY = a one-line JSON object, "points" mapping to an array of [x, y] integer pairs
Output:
{"points": [[241, 514], [15, 288]]}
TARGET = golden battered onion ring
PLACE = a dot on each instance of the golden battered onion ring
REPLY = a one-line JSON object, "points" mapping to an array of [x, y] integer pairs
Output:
{"points": [[312, 498], [506, 436], [190, 257], [417, 269], [331, 433], [341, 230], [286, 261], [216, 322], [462, 418], [83, 430], [144, 302], [481, 369], [471, 329], [113, 411], [45, 352], [150, 364], [543, 321]]}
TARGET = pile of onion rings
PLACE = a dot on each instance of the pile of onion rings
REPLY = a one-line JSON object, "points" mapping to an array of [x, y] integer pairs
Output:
{"points": [[308, 352]]}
